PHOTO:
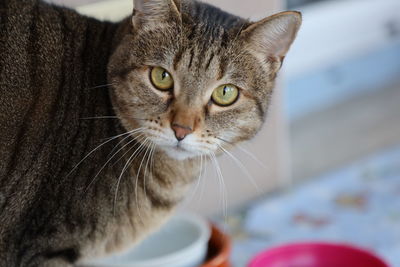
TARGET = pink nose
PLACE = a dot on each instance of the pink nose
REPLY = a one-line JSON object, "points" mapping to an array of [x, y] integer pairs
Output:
{"points": [[181, 131]]}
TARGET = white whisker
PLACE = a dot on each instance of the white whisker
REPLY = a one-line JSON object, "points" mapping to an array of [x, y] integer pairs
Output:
{"points": [[151, 147], [242, 168], [137, 130], [200, 174], [91, 152], [251, 155], [129, 132], [139, 139], [223, 187], [194, 190], [130, 159], [205, 171], [138, 174], [248, 153], [105, 164], [100, 86]]}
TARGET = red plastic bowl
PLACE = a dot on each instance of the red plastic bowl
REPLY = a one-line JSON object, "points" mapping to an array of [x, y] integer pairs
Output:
{"points": [[316, 255]]}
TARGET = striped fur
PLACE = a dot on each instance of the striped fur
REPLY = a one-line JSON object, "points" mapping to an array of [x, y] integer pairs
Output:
{"points": [[61, 199]]}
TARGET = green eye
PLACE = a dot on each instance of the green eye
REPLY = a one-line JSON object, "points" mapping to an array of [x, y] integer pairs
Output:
{"points": [[225, 95], [161, 79]]}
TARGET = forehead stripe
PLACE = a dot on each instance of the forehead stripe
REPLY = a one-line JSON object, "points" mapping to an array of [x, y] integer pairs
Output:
{"points": [[191, 58], [177, 58], [222, 68], [209, 60]]}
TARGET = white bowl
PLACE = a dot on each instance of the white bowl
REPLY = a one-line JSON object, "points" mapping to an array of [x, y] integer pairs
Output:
{"points": [[181, 242]]}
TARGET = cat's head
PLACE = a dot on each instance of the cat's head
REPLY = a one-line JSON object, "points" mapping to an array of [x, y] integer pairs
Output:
{"points": [[192, 78]]}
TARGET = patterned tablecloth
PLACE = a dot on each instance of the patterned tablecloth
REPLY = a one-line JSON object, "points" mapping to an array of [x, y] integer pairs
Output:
{"points": [[359, 204]]}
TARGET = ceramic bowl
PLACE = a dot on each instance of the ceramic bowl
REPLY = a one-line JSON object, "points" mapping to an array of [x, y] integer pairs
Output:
{"points": [[182, 242]]}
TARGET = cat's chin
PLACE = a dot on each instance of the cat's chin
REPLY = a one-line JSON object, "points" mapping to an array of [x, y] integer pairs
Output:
{"points": [[178, 153]]}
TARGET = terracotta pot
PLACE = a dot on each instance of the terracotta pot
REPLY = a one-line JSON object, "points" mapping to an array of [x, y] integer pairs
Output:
{"points": [[219, 249]]}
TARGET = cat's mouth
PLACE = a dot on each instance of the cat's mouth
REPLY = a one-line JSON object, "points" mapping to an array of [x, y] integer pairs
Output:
{"points": [[179, 147], [176, 149], [179, 151]]}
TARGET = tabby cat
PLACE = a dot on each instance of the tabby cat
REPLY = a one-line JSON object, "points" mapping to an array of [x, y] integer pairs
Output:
{"points": [[102, 124]]}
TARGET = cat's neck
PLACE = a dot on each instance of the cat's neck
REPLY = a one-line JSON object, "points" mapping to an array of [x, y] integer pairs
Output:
{"points": [[186, 169]]}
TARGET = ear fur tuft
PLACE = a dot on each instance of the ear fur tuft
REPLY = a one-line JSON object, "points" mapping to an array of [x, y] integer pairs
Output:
{"points": [[154, 12], [272, 37]]}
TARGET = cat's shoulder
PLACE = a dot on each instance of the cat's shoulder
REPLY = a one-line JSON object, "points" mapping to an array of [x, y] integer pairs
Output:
{"points": [[22, 6], [30, 7]]}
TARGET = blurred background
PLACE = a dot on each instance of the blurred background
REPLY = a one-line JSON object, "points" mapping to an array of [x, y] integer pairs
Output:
{"points": [[343, 83], [328, 159]]}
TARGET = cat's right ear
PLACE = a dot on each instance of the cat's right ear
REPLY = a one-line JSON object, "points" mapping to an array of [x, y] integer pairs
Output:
{"points": [[270, 38], [151, 13]]}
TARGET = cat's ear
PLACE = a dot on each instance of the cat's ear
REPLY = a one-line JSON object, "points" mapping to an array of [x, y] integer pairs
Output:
{"points": [[154, 12], [271, 38]]}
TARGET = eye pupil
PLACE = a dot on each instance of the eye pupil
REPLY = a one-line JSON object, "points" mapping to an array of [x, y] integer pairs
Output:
{"points": [[225, 95], [161, 79], [225, 91]]}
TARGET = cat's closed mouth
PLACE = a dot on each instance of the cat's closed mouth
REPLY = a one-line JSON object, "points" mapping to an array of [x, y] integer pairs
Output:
{"points": [[179, 147]]}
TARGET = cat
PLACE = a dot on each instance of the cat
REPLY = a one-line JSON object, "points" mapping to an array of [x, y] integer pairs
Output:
{"points": [[102, 124]]}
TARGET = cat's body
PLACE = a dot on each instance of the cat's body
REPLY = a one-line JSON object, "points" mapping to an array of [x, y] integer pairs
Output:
{"points": [[58, 205], [48, 71]]}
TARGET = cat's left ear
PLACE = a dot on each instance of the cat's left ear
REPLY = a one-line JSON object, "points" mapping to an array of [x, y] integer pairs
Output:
{"points": [[155, 12], [270, 38]]}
